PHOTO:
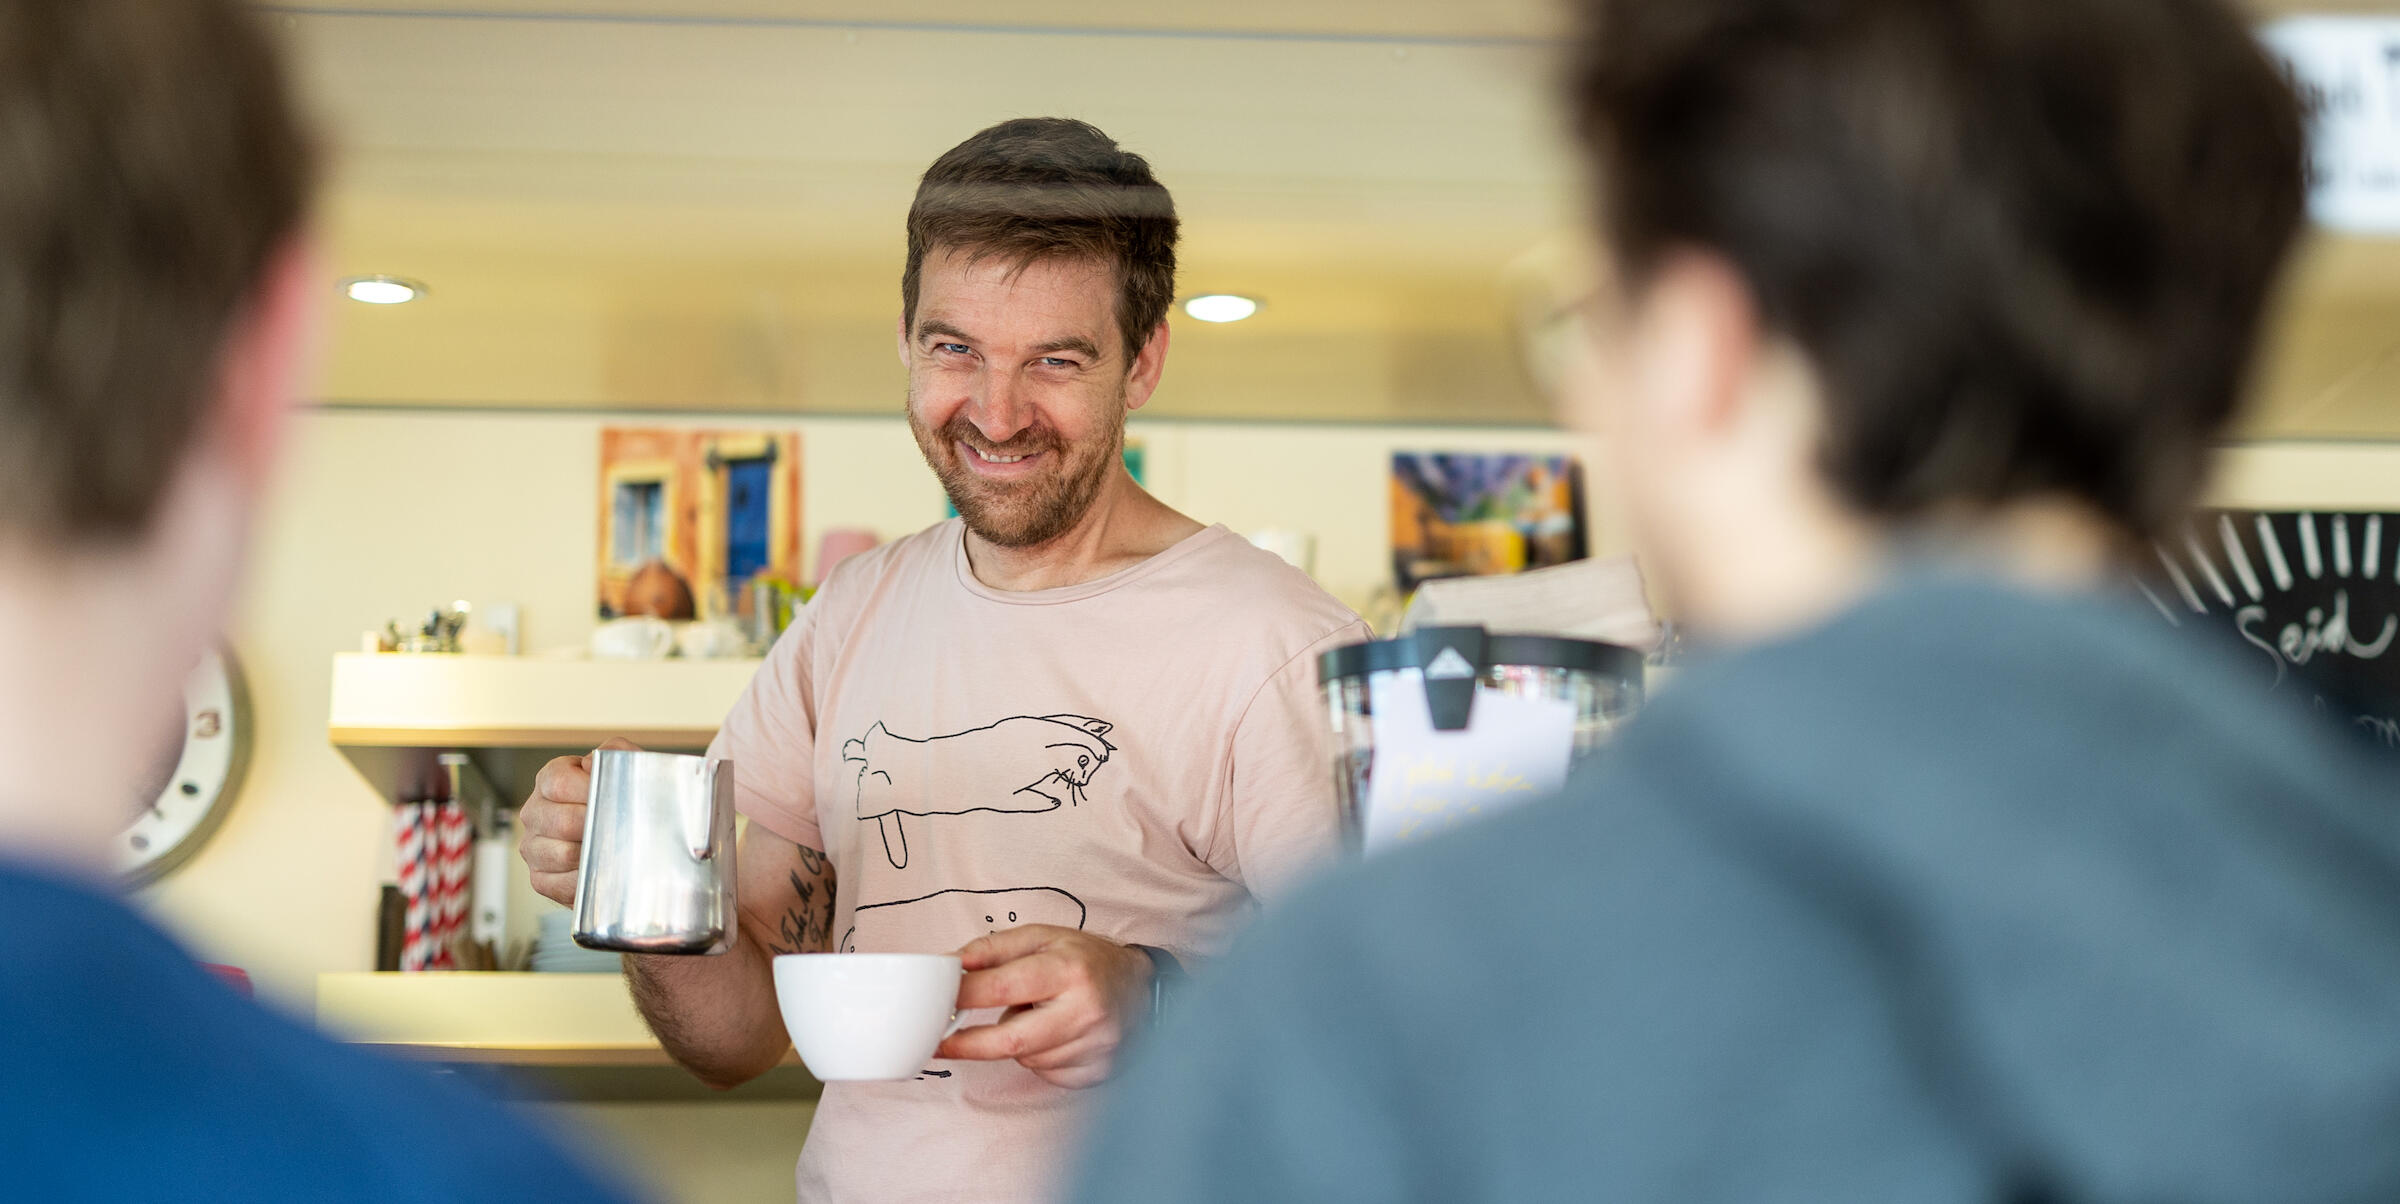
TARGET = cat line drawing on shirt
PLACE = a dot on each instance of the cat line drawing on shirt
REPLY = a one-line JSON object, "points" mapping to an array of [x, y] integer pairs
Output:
{"points": [[1024, 764], [998, 908]]}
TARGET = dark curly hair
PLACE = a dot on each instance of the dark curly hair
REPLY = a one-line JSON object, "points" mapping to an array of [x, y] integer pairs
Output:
{"points": [[2026, 245]]}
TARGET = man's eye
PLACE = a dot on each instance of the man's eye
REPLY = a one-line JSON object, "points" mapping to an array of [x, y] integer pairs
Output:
{"points": [[951, 348], [1052, 361]]}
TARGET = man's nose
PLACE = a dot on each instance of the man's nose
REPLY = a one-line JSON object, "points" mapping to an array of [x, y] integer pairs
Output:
{"points": [[1000, 411]]}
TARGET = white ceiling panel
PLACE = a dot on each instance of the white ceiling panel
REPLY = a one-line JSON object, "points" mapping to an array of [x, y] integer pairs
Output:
{"points": [[588, 182]]}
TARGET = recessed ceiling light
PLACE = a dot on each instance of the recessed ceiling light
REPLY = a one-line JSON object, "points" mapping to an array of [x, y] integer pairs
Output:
{"points": [[1221, 307], [382, 290]]}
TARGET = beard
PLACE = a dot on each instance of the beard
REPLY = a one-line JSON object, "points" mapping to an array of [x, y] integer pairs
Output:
{"points": [[1030, 512]]}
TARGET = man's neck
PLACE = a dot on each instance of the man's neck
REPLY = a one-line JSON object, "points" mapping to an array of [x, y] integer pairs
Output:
{"points": [[1123, 527], [1804, 573], [91, 683]]}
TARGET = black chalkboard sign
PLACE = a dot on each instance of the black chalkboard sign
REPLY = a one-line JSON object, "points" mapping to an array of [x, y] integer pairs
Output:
{"points": [[2314, 600]]}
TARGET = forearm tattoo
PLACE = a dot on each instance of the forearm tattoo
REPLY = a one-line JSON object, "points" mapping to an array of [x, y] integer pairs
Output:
{"points": [[807, 924]]}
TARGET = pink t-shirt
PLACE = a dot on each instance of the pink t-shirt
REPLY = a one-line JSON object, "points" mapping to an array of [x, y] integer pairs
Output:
{"points": [[1142, 757]]}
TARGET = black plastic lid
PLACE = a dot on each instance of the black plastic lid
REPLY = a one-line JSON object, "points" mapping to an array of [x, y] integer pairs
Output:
{"points": [[1454, 658], [1418, 650]]}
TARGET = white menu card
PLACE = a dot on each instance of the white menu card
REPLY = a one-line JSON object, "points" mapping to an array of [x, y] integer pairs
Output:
{"points": [[1423, 782]]}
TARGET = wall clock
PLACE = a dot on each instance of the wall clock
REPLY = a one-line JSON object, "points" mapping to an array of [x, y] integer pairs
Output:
{"points": [[195, 792]]}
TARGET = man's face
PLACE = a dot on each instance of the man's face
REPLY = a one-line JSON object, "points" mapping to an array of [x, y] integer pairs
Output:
{"points": [[1017, 389]]}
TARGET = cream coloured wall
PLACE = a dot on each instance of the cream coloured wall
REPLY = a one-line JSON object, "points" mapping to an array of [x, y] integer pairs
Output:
{"points": [[384, 513], [2324, 476]]}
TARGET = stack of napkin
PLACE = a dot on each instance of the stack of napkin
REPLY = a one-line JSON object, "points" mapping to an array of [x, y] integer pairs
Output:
{"points": [[1601, 600]]}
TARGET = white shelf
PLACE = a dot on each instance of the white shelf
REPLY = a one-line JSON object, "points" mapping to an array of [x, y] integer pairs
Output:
{"points": [[402, 700], [394, 714], [569, 1027], [567, 1017]]}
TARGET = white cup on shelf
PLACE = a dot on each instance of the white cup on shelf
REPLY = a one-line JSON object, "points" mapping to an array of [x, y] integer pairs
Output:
{"points": [[639, 638]]}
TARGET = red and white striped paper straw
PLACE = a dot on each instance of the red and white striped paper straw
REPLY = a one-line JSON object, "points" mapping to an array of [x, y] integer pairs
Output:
{"points": [[409, 824]]}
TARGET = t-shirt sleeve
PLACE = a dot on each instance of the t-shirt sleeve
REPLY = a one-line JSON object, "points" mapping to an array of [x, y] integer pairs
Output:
{"points": [[770, 736], [1280, 819]]}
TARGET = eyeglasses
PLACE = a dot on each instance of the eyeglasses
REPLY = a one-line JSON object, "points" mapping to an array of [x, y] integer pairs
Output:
{"points": [[1554, 291]]}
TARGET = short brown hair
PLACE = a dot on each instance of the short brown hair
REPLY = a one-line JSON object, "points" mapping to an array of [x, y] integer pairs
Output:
{"points": [[2025, 245], [1051, 187], [150, 165]]}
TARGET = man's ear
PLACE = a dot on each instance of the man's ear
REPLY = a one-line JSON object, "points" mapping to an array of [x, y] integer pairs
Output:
{"points": [[269, 356], [1698, 343], [1149, 364], [900, 338]]}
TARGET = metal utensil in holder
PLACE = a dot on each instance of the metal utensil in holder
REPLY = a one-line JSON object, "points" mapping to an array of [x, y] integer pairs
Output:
{"points": [[1459, 672]]}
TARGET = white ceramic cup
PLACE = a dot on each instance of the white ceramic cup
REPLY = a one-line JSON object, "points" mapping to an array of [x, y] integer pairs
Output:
{"points": [[640, 638], [867, 1015], [711, 638]]}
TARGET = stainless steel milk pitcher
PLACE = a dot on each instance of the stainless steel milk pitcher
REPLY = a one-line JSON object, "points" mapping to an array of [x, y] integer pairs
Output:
{"points": [[657, 872]]}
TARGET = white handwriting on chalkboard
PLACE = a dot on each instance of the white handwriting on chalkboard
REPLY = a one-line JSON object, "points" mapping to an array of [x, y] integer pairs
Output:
{"points": [[2386, 731], [2321, 634]]}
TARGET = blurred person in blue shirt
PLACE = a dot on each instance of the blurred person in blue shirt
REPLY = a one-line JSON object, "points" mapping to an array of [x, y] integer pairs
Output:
{"points": [[1953, 876], [156, 301]]}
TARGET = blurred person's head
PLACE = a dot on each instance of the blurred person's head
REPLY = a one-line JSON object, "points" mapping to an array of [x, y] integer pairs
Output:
{"points": [[154, 182], [1041, 262], [1983, 276]]}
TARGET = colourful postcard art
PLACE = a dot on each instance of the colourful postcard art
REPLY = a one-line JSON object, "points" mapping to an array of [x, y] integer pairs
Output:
{"points": [[689, 517], [1466, 514]]}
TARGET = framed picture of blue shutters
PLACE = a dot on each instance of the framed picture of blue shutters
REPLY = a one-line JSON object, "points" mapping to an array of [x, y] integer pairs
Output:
{"points": [[711, 510]]}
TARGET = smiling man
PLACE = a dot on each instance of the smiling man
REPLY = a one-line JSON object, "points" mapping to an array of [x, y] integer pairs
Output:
{"points": [[1071, 733]]}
